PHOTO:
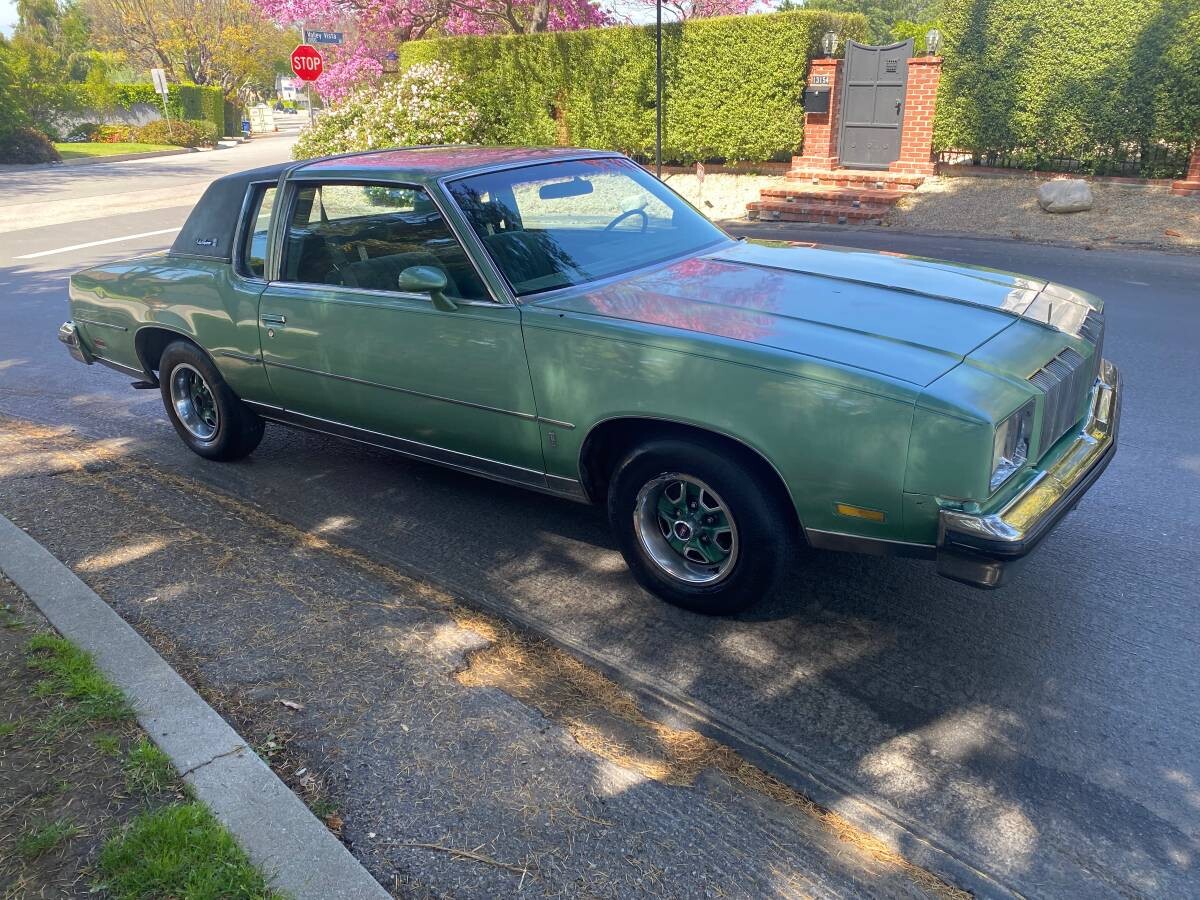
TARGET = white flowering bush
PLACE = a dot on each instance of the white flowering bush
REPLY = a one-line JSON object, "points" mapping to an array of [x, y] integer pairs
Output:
{"points": [[425, 105]]}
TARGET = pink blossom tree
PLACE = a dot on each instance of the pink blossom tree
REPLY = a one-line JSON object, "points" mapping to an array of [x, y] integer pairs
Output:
{"points": [[705, 9], [374, 28]]}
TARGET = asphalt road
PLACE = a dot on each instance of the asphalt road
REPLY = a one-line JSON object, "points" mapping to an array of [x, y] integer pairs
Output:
{"points": [[1045, 734]]}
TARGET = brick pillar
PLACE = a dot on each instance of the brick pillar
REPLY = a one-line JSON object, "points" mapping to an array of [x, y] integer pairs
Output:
{"points": [[920, 98], [821, 129], [1190, 186]]}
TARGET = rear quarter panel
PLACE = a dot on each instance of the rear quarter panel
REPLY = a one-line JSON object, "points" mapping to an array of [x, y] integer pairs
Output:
{"points": [[833, 435], [198, 298]]}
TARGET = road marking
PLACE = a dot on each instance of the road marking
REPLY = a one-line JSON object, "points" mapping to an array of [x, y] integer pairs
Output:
{"points": [[116, 240]]}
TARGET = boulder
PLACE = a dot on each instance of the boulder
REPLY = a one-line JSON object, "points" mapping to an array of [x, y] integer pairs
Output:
{"points": [[1065, 195]]}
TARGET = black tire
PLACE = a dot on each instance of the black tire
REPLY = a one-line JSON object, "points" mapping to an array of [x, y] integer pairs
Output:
{"points": [[763, 526], [236, 429]]}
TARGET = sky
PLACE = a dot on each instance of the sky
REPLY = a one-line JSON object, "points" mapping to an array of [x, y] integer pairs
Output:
{"points": [[8, 16]]}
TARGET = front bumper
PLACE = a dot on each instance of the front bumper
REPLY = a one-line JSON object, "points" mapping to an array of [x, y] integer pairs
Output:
{"points": [[983, 549], [69, 335]]}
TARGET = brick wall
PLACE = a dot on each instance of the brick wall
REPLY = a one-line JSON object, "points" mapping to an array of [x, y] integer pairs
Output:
{"points": [[920, 100], [916, 136], [821, 130], [1190, 186]]}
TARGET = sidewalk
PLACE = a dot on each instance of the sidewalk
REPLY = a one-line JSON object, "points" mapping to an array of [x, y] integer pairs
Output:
{"points": [[453, 755]]}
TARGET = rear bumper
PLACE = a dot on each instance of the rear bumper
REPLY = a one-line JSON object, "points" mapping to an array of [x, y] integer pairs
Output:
{"points": [[982, 550], [69, 335]]}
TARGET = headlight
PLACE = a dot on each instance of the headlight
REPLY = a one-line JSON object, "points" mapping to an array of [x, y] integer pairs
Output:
{"points": [[1010, 446]]}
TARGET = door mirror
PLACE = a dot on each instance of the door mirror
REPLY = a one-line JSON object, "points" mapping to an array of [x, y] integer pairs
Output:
{"points": [[426, 280]]}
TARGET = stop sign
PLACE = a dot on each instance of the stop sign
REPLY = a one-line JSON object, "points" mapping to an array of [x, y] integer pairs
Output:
{"points": [[307, 62]]}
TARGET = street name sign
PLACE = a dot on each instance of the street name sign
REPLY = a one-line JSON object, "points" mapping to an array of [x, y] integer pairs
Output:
{"points": [[323, 37], [307, 62], [159, 77]]}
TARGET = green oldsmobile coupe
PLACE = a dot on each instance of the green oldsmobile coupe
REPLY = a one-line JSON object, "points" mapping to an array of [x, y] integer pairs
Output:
{"points": [[560, 320]]}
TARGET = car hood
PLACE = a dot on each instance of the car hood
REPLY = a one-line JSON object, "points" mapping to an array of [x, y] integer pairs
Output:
{"points": [[908, 318]]}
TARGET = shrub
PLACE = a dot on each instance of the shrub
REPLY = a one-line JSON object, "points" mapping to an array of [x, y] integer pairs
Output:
{"points": [[84, 131], [112, 134], [23, 144], [177, 134], [184, 101], [1090, 79], [425, 105], [734, 85]]}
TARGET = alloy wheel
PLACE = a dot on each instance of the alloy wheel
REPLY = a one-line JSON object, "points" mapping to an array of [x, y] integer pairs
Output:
{"points": [[194, 402], [686, 529]]}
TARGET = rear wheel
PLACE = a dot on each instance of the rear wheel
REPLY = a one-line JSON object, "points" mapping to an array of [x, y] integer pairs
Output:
{"points": [[699, 527], [206, 413]]}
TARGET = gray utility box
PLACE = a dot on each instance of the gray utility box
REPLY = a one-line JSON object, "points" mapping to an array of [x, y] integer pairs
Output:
{"points": [[816, 99]]}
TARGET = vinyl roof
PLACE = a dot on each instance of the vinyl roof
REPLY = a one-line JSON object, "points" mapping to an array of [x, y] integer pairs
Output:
{"points": [[435, 162]]}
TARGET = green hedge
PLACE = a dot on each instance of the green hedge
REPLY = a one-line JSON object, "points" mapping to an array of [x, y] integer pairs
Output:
{"points": [[233, 118], [734, 85], [1089, 79], [184, 101]]}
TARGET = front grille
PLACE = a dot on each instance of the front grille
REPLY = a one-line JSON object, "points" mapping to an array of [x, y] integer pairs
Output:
{"points": [[1066, 381]]}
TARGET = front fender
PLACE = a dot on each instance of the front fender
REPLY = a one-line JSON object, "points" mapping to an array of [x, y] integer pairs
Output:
{"points": [[830, 443]]}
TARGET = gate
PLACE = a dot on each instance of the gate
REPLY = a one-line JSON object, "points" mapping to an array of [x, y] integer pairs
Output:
{"points": [[874, 80]]}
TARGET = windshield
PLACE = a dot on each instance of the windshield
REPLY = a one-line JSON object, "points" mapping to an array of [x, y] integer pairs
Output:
{"points": [[567, 223]]}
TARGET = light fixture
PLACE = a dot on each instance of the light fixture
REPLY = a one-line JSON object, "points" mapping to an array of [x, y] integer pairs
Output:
{"points": [[829, 43], [933, 40]]}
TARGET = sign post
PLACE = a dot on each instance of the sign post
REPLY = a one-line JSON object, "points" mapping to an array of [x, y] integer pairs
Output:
{"points": [[159, 77]]}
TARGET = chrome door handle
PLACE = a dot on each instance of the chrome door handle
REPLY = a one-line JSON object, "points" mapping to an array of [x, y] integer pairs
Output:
{"points": [[273, 321]]}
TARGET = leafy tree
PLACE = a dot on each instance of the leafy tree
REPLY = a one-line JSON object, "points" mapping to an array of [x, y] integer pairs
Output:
{"points": [[682, 10], [376, 27], [222, 43], [37, 61], [903, 30], [881, 15], [12, 114]]}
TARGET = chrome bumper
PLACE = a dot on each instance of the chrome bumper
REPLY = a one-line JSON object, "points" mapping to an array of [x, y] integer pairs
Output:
{"points": [[981, 550], [69, 335]]}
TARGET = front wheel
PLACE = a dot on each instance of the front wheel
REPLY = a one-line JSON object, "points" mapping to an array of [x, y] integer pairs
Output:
{"points": [[699, 527], [205, 411]]}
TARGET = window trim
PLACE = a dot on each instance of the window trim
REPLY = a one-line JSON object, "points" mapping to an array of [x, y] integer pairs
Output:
{"points": [[300, 179], [240, 269]]}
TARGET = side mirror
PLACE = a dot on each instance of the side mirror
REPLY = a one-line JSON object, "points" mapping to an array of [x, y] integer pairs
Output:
{"points": [[427, 280]]}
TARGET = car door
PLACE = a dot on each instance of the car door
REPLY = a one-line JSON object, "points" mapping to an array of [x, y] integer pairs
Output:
{"points": [[347, 351]]}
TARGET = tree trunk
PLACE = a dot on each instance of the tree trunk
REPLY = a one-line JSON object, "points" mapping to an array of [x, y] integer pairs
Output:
{"points": [[539, 16]]}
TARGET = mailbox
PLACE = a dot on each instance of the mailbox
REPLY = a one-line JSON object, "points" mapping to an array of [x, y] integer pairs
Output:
{"points": [[816, 99]]}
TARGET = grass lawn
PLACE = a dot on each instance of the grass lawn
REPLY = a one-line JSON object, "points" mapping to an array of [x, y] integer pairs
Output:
{"points": [[88, 804], [79, 151]]}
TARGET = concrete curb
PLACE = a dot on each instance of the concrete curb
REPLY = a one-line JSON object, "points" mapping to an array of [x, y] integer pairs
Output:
{"points": [[280, 834], [124, 157]]}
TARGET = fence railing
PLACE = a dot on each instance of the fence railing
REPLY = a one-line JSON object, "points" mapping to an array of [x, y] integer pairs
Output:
{"points": [[1126, 160]]}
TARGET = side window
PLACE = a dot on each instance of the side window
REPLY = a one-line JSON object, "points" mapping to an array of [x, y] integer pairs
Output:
{"points": [[254, 243], [365, 235]]}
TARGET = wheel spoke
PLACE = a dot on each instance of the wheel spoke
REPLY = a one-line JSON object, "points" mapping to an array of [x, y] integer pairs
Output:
{"points": [[686, 529], [711, 552]]}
